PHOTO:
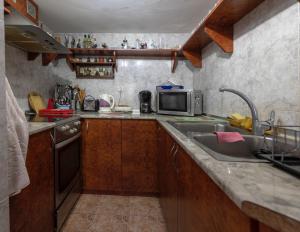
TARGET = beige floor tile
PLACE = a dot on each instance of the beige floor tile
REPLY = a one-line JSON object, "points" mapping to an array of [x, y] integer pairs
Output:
{"points": [[78, 222], [105, 213], [87, 203]]}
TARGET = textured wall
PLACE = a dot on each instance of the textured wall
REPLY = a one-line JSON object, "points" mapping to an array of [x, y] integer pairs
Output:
{"points": [[26, 76], [133, 75], [264, 65], [4, 211]]}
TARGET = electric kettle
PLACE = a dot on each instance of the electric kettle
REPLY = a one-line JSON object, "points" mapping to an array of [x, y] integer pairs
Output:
{"points": [[107, 103]]}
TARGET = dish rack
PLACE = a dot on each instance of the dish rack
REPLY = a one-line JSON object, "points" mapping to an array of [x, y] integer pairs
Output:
{"points": [[285, 151]]}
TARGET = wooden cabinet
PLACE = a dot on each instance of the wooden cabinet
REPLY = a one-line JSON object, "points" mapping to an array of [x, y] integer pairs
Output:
{"points": [[120, 156], [168, 179], [203, 206], [190, 200], [264, 228], [33, 209], [139, 156], [101, 159], [27, 8]]}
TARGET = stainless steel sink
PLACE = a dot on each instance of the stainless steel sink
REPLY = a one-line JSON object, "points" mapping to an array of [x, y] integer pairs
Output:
{"points": [[205, 127], [234, 152]]}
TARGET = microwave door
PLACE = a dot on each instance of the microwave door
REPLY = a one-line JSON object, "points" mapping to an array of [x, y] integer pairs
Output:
{"points": [[176, 103]]}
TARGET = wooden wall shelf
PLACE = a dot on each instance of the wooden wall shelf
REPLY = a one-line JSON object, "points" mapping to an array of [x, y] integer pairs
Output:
{"points": [[173, 54], [217, 27]]}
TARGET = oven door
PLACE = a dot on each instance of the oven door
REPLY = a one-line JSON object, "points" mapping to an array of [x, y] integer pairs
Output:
{"points": [[175, 102], [67, 167]]}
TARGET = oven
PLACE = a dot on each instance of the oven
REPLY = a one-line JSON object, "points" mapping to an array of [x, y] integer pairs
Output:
{"points": [[67, 168], [179, 102]]}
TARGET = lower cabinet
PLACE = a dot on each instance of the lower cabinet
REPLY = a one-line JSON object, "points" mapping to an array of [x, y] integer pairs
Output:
{"points": [[168, 183], [32, 210], [120, 156], [190, 200], [101, 158], [139, 157]]}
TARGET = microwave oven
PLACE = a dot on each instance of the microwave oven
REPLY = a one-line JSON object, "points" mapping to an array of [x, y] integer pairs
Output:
{"points": [[179, 102]]}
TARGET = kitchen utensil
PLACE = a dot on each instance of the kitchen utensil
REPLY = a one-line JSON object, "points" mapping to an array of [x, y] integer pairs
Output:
{"points": [[90, 104], [107, 102], [36, 102]]}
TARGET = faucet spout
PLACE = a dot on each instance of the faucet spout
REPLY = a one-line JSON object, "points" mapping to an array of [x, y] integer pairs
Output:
{"points": [[255, 121]]}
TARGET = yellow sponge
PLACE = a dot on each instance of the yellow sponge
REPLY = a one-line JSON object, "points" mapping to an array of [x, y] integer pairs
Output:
{"points": [[237, 116], [247, 123]]}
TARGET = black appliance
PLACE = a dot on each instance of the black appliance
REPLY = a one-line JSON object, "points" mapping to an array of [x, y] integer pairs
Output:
{"points": [[145, 101]]}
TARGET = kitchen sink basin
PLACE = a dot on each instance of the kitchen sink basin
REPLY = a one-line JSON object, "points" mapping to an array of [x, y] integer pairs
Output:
{"points": [[205, 127], [234, 152]]}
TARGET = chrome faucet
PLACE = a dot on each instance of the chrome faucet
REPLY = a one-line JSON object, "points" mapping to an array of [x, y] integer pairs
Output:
{"points": [[258, 127]]}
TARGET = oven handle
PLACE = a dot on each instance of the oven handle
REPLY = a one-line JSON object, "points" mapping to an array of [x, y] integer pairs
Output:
{"points": [[66, 142]]}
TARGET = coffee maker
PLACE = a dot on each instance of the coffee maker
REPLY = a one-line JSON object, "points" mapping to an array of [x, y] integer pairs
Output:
{"points": [[145, 102]]}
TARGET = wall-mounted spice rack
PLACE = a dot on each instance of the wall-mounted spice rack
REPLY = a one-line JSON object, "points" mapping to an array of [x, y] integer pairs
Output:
{"points": [[92, 66]]}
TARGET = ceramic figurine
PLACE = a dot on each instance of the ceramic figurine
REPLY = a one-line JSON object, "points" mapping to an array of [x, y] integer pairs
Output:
{"points": [[73, 42], [104, 45], [84, 42], [153, 45], [125, 43], [95, 43], [67, 40], [78, 44]]}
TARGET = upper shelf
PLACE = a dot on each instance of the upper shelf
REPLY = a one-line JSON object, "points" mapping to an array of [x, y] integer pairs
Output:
{"points": [[217, 27], [173, 54], [163, 53]]}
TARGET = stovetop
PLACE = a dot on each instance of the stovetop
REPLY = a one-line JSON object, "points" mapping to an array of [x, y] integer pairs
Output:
{"points": [[58, 119]]}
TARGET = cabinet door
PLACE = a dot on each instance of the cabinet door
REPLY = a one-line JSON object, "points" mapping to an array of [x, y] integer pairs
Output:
{"points": [[139, 156], [168, 180], [33, 209], [186, 220], [101, 159], [265, 228], [203, 206]]}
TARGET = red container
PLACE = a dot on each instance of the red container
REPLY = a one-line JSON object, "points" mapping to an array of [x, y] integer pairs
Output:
{"points": [[46, 112]]}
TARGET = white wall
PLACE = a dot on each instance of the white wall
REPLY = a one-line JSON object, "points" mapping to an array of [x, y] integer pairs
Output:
{"points": [[264, 65], [4, 209], [26, 76]]}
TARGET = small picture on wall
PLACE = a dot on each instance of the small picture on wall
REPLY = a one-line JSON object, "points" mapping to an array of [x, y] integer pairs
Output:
{"points": [[31, 9]]}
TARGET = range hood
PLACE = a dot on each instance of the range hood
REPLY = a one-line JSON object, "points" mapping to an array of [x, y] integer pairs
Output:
{"points": [[23, 34]]}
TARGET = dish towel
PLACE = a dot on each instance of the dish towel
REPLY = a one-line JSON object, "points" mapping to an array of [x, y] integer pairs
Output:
{"points": [[18, 137], [229, 137]]}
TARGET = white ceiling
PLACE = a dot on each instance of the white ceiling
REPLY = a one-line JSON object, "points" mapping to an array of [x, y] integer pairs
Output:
{"points": [[124, 16]]}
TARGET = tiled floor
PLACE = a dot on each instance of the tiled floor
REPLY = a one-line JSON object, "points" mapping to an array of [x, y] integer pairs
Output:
{"points": [[95, 213]]}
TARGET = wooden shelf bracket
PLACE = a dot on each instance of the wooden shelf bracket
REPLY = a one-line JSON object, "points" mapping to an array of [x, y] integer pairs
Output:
{"points": [[194, 57], [47, 58], [174, 62], [222, 36], [32, 56]]}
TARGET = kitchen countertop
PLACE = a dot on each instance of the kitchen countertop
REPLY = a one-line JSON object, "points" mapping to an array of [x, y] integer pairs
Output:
{"points": [[37, 127], [260, 190]]}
